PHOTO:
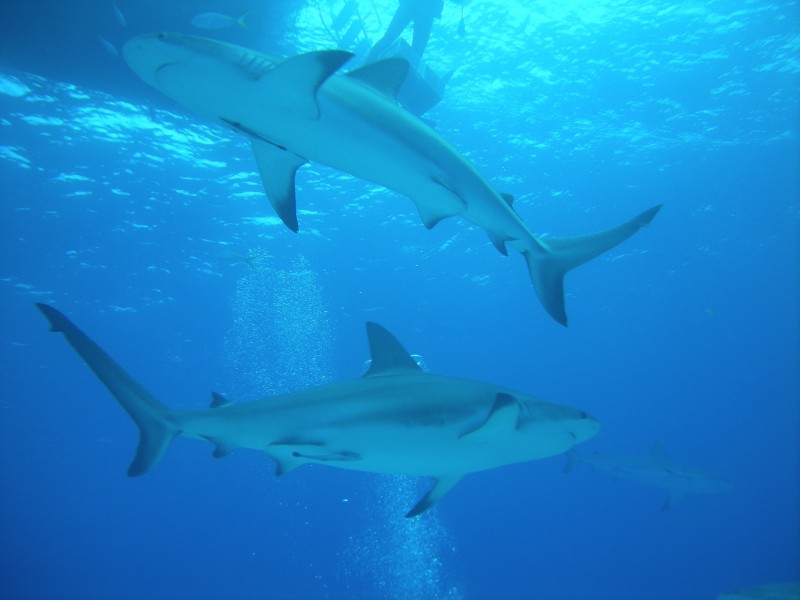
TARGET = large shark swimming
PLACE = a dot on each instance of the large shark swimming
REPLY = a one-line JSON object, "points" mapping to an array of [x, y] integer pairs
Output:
{"points": [[300, 109], [396, 419]]}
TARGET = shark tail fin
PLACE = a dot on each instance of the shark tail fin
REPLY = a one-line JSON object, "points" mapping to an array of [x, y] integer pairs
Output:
{"points": [[157, 424], [551, 258], [241, 21]]}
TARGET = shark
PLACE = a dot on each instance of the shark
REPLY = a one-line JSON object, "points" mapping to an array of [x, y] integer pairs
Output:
{"points": [[657, 470], [395, 419], [304, 109]]}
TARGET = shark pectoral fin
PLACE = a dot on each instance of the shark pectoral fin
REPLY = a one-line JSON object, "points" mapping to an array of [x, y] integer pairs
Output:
{"points": [[293, 84], [277, 168], [501, 419], [443, 485], [384, 76], [549, 259]]}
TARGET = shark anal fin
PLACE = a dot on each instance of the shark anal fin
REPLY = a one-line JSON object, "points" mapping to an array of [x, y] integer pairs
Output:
{"points": [[385, 76], [501, 419], [443, 485], [221, 447], [277, 168], [293, 84], [388, 355]]}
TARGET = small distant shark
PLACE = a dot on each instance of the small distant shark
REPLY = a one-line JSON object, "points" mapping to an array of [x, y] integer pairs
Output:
{"points": [[771, 591], [656, 470], [298, 109], [396, 419]]}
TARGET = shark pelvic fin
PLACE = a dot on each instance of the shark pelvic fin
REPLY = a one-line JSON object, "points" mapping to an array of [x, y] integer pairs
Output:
{"points": [[440, 488], [499, 242], [384, 76], [388, 355], [551, 258], [293, 84], [277, 168], [502, 417], [155, 421], [431, 216], [286, 464]]}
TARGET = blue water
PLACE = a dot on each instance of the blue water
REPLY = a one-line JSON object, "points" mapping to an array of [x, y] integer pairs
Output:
{"points": [[136, 218]]}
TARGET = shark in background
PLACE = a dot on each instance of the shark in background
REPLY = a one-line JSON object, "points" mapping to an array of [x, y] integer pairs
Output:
{"points": [[396, 419], [301, 109], [771, 591], [657, 470]]}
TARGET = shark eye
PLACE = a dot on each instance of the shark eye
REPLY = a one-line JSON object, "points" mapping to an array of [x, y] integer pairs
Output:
{"points": [[161, 36]]}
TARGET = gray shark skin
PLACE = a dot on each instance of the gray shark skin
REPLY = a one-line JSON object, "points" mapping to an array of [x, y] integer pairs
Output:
{"points": [[298, 110], [657, 470], [396, 419]]}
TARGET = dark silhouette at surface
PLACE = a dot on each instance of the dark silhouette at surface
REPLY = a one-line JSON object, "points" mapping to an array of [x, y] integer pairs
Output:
{"points": [[422, 13]]}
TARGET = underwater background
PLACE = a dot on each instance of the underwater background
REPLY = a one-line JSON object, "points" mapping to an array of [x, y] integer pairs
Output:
{"points": [[149, 228]]}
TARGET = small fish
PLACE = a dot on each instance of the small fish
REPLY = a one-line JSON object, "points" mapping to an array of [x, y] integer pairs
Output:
{"points": [[119, 16], [215, 20], [109, 47]]}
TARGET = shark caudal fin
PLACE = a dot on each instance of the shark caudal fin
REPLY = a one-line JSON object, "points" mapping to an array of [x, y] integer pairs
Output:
{"points": [[155, 421], [553, 257]]}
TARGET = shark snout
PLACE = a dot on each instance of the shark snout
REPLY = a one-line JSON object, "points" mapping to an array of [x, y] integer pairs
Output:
{"points": [[147, 54], [584, 427]]}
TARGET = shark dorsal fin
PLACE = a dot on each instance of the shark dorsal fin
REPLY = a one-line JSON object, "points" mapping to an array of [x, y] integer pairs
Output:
{"points": [[295, 81], [385, 76], [218, 400], [509, 198], [388, 355]]}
